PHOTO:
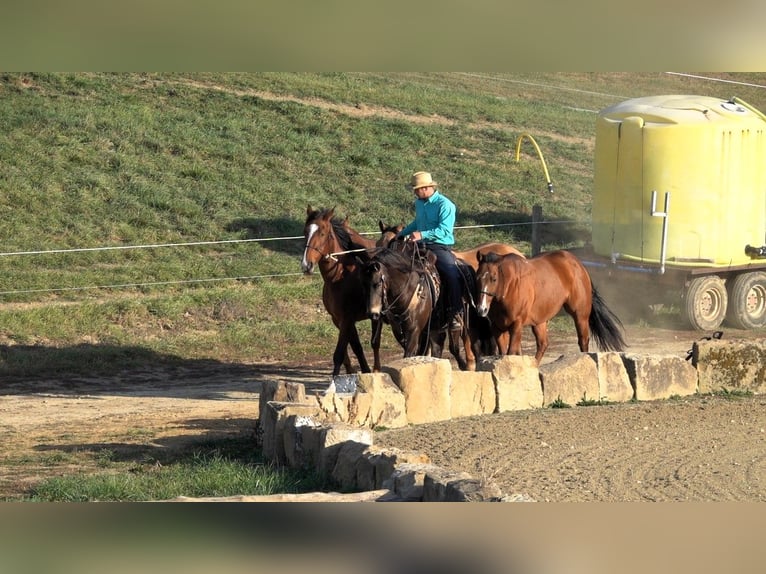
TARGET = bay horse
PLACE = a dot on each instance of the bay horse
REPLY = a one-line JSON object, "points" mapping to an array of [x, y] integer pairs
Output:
{"points": [[402, 291], [514, 292], [403, 288], [329, 245]]}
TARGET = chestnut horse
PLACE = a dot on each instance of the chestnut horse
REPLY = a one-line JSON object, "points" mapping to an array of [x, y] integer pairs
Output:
{"points": [[514, 292], [330, 246]]}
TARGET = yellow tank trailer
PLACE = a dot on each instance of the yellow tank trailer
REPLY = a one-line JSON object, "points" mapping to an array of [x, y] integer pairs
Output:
{"points": [[680, 200]]}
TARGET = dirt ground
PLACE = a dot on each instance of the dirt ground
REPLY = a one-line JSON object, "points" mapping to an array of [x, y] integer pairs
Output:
{"points": [[699, 448]]}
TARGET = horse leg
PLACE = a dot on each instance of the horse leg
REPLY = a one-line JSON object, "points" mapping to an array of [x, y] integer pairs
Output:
{"points": [[470, 356], [502, 340], [469, 339], [340, 356], [541, 340], [414, 344], [436, 341], [454, 346], [514, 347], [356, 346], [376, 328], [583, 332]]}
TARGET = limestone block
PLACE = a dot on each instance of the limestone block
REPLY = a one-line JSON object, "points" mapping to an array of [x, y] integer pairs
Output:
{"points": [[331, 439], [387, 404], [335, 405], [272, 423], [281, 392], [613, 381], [436, 481], [472, 490], [660, 376], [301, 441], [407, 480], [517, 381], [472, 393], [570, 378], [730, 364], [425, 382], [377, 464], [359, 409], [344, 471]]}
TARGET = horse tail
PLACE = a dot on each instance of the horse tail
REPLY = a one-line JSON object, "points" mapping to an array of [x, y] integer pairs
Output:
{"points": [[605, 327]]}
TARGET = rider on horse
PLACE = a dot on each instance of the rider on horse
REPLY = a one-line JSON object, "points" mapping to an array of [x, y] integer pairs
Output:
{"points": [[433, 227]]}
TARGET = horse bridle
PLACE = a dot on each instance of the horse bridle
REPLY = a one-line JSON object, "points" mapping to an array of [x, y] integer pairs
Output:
{"points": [[487, 293]]}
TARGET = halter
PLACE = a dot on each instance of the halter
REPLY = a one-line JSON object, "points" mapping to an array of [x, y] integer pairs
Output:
{"points": [[387, 305], [488, 294]]}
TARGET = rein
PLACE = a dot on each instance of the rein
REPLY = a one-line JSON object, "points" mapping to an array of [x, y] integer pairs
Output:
{"points": [[333, 256]]}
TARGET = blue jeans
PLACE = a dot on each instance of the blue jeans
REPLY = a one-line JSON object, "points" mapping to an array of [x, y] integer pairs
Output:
{"points": [[450, 276]]}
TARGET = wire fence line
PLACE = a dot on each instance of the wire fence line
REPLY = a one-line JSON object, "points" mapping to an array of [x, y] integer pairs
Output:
{"points": [[136, 285]]}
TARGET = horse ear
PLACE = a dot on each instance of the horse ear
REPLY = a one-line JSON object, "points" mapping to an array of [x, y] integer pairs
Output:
{"points": [[382, 227], [331, 212], [479, 256], [309, 209]]}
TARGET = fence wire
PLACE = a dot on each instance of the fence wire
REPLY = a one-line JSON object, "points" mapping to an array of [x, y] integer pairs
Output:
{"points": [[138, 285]]}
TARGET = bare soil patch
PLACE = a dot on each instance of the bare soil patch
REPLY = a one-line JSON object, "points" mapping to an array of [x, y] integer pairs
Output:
{"points": [[698, 448]]}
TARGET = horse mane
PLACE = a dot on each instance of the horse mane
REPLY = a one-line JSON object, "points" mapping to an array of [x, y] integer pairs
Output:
{"points": [[395, 260], [492, 257], [342, 234]]}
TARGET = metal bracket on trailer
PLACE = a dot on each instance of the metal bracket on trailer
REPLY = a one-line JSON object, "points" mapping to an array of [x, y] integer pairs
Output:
{"points": [[664, 215]]}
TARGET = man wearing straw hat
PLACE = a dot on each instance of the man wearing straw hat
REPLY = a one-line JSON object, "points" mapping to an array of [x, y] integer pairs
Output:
{"points": [[433, 226]]}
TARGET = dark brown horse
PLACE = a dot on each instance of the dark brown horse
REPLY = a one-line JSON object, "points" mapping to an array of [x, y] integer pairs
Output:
{"points": [[403, 293], [514, 292], [403, 288], [330, 246]]}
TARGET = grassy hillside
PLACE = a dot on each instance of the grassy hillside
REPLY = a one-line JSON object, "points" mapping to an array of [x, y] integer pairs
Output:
{"points": [[128, 170]]}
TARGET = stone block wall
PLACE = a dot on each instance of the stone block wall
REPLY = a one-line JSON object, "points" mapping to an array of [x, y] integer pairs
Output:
{"points": [[332, 431]]}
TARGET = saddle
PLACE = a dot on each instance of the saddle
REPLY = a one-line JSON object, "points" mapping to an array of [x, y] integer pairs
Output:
{"points": [[426, 260]]}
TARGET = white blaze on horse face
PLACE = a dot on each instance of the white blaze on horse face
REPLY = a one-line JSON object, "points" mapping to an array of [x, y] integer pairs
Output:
{"points": [[482, 305], [375, 302], [305, 265]]}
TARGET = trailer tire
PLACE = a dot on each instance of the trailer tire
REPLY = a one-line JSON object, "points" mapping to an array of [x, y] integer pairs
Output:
{"points": [[705, 302], [747, 301]]}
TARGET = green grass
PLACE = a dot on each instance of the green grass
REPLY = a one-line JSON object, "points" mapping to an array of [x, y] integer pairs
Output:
{"points": [[121, 160], [201, 474], [559, 403]]}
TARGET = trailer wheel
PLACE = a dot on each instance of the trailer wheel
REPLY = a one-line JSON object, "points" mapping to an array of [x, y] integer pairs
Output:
{"points": [[705, 302], [747, 295]]}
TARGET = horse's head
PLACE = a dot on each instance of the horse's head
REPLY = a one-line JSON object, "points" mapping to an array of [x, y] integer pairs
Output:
{"points": [[374, 281], [318, 235], [388, 234], [487, 281]]}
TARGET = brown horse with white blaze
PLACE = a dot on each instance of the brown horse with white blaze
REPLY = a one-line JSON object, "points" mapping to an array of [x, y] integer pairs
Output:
{"points": [[514, 292], [330, 246]]}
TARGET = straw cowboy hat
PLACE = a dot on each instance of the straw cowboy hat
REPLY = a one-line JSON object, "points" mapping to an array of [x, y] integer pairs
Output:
{"points": [[421, 179]]}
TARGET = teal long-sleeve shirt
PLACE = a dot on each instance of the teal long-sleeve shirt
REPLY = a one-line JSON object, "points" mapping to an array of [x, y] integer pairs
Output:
{"points": [[435, 219]]}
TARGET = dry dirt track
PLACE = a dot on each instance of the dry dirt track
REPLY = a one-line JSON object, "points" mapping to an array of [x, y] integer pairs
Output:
{"points": [[700, 448]]}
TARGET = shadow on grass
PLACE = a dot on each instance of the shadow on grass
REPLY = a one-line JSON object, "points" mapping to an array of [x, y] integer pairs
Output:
{"points": [[229, 438], [136, 371]]}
